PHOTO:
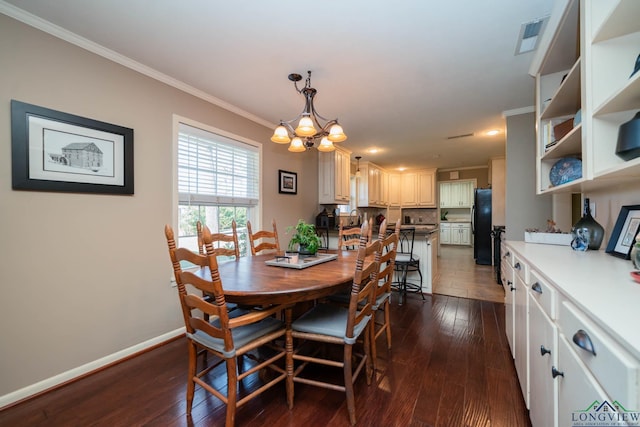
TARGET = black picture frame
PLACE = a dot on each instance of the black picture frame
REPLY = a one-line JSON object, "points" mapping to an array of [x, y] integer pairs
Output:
{"points": [[624, 232], [56, 151], [287, 182]]}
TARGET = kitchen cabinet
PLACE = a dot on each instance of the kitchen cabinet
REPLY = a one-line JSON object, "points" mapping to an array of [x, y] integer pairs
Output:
{"points": [[583, 65], [426, 188], [456, 194], [409, 195], [521, 324], [445, 233], [455, 233], [582, 349], [334, 170], [543, 352], [461, 233], [509, 307], [395, 186], [371, 191], [419, 189]]}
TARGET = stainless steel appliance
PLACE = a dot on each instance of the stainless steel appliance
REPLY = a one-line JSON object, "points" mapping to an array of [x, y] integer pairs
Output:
{"points": [[481, 226]]}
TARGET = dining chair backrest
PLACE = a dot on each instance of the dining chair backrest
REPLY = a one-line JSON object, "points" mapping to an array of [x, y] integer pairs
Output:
{"points": [[365, 280], [223, 244], [192, 302], [349, 238], [268, 239], [386, 258]]}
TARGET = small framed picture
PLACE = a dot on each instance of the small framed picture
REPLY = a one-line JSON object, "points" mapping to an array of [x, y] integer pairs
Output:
{"points": [[56, 151], [624, 232], [287, 182]]}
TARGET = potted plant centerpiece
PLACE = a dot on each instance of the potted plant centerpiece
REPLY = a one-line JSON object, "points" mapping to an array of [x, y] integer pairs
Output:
{"points": [[305, 237]]}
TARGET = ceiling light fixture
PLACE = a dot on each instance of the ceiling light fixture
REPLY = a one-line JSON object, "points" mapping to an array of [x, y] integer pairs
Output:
{"points": [[358, 166], [310, 129]]}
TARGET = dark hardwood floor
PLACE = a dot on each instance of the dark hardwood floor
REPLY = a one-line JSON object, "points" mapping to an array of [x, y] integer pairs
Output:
{"points": [[450, 366]]}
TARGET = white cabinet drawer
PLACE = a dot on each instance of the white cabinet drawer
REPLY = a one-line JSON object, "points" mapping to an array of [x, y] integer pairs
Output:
{"points": [[520, 268], [544, 294], [614, 368]]}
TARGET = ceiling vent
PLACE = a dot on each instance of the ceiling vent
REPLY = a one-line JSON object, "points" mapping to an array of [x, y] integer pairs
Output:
{"points": [[530, 33], [460, 136]]}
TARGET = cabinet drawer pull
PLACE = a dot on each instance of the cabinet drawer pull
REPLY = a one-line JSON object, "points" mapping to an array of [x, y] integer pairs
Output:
{"points": [[544, 351], [510, 283], [582, 340], [555, 372], [536, 287], [517, 266]]}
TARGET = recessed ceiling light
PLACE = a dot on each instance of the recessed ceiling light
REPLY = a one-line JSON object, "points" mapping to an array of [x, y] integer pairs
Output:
{"points": [[493, 132], [373, 150]]}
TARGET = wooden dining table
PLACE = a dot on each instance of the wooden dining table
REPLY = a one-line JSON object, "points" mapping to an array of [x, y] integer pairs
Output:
{"points": [[251, 281]]}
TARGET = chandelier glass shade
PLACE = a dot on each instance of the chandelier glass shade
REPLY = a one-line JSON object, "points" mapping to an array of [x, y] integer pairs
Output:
{"points": [[309, 127]]}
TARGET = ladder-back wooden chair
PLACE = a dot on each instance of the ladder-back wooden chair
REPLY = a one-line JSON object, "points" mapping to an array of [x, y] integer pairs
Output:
{"points": [[223, 244], [268, 239], [226, 335], [389, 245], [339, 325], [349, 238]]}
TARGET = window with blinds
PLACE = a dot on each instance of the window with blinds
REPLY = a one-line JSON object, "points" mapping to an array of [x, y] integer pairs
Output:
{"points": [[218, 182], [216, 170]]}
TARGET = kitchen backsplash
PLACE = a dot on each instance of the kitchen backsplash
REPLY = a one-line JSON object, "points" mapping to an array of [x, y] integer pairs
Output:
{"points": [[420, 216]]}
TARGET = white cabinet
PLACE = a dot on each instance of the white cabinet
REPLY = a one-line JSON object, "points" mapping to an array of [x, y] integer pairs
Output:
{"points": [[334, 170], [395, 186], [452, 233], [584, 65], [426, 188], [445, 233], [543, 352], [509, 306], [409, 195], [521, 324], [371, 188], [456, 194], [577, 388], [576, 353]]}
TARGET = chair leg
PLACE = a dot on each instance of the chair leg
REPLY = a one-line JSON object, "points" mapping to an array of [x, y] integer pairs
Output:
{"points": [[372, 339], [191, 385], [387, 323], [232, 391], [348, 383], [367, 350], [289, 357]]}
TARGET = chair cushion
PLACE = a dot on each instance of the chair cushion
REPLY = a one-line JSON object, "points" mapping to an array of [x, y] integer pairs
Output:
{"points": [[242, 335], [381, 299], [331, 320]]}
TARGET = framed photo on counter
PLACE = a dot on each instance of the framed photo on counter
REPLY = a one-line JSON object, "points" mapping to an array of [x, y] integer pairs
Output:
{"points": [[624, 232]]}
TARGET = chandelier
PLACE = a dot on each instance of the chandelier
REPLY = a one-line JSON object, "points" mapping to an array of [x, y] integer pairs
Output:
{"points": [[310, 129]]}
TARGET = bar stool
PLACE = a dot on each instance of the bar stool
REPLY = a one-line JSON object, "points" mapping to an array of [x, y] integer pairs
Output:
{"points": [[407, 262]]}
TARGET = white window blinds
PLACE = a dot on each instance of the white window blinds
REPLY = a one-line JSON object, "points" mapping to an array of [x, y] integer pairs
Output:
{"points": [[216, 170]]}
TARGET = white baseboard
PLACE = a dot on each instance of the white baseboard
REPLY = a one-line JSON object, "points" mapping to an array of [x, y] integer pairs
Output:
{"points": [[48, 383]]}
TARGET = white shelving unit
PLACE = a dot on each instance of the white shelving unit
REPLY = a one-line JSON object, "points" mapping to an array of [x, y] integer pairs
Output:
{"points": [[584, 63]]}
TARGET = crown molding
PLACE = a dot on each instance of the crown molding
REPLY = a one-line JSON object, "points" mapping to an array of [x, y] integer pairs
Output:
{"points": [[70, 37]]}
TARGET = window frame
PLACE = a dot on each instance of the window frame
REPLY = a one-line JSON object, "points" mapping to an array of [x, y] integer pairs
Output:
{"points": [[255, 210]]}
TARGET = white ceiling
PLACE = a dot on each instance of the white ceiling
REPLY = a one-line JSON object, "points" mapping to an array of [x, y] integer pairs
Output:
{"points": [[401, 76]]}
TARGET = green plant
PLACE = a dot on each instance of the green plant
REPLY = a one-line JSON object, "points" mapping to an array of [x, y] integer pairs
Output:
{"points": [[305, 236]]}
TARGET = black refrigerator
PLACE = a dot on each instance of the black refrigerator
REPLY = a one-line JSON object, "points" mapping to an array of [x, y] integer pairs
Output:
{"points": [[481, 226]]}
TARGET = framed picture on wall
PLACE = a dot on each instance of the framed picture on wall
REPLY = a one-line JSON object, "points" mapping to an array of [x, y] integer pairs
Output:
{"points": [[287, 182], [624, 232], [56, 151]]}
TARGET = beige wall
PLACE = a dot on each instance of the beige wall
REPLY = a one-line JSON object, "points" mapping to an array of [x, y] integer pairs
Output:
{"points": [[86, 276], [481, 175]]}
